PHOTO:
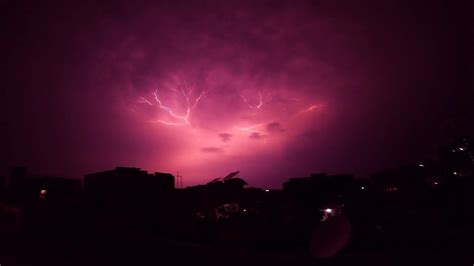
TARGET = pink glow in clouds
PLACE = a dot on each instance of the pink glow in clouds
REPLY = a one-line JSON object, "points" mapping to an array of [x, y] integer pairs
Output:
{"points": [[224, 95], [212, 129], [274, 89]]}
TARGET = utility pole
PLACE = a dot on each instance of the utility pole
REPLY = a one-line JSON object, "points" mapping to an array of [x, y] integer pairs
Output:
{"points": [[179, 180]]}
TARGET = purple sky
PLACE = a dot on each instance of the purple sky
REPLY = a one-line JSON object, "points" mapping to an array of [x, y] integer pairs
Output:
{"points": [[275, 89]]}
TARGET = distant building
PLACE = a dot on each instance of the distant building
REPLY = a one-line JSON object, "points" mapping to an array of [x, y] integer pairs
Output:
{"points": [[126, 187], [221, 198], [165, 181], [407, 179], [24, 188], [321, 186], [458, 158]]}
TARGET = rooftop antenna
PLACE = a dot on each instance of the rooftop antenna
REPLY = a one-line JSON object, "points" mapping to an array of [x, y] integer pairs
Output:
{"points": [[179, 180]]}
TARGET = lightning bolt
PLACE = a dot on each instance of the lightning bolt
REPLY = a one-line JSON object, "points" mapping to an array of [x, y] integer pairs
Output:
{"points": [[198, 99], [143, 100], [167, 123], [170, 111], [183, 120], [311, 108], [261, 101], [191, 100]]}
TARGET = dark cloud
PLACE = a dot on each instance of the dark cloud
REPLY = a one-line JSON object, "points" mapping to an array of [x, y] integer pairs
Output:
{"points": [[256, 135], [225, 136], [211, 150], [275, 127]]}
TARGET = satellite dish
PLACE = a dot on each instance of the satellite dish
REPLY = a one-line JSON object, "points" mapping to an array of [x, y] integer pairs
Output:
{"points": [[229, 176], [330, 237], [214, 180]]}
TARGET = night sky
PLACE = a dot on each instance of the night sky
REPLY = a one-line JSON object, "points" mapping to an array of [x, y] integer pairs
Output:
{"points": [[275, 89]]}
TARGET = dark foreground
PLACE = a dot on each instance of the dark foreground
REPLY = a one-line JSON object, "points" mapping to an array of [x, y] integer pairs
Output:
{"points": [[112, 247]]}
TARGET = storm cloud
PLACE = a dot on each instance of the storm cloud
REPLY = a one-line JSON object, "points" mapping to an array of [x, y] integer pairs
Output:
{"points": [[167, 85], [225, 136]]}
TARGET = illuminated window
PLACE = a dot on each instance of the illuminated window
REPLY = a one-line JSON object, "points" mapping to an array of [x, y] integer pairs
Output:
{"points": [[391, 189], [43, 193]]}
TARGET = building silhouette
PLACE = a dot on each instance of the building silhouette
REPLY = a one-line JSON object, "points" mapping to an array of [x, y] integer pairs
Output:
{"points": [[321, 187], [126, 188], [24, 189]]}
